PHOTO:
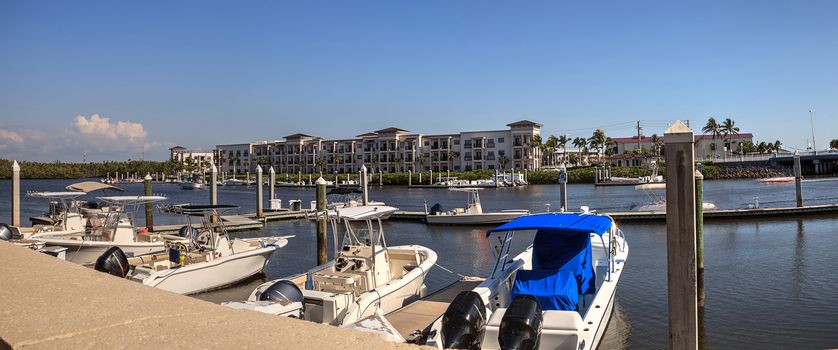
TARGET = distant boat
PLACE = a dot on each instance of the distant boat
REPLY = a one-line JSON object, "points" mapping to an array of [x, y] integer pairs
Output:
{"points": [[777, 180], [658, 203], [472, 214], [193, 185]]}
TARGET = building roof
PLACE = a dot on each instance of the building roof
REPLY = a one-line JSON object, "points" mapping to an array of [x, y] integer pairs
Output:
{"points": [[297, 136], [368, 134], [390, 130], [177, 148], [524, 122]]}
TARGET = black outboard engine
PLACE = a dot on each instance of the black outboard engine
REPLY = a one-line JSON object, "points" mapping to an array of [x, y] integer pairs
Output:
{"points": [[113, 261], [184, 231], [436, 208], [520, 328], [5, 232], [284, 290], [464, 322]]}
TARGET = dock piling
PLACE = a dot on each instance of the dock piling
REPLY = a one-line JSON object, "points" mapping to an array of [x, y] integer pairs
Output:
{"points": [[15, 194], [431, 179], [322, 215], [409, 178], [563, 188], [272, 179], [260, 212], [365, 185], [798, 180], [213, 185], [681, 237], [149, 212], [380, 178], [699, 236]]}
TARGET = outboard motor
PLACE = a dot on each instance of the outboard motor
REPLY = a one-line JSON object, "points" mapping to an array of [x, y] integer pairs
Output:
{"points": [[5, 232], [464, 322], [113, 261], [184, 231], [284, 290], [436, 208], [520, 328]]}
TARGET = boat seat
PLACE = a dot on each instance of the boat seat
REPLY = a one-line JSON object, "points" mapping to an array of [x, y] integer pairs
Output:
{"points": [[337, 281], [562, 320]]}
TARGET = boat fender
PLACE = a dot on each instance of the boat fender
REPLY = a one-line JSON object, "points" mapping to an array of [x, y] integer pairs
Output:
{"points": [[520, 327], [113, 261], [284, 290], [5, 232], [464, 322]]}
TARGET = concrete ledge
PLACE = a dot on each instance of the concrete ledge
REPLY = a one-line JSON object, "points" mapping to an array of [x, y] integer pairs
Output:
{"points": [[48, 303]]}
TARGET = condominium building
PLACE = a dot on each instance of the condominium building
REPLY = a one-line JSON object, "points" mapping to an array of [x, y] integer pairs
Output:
{"points": [[390, 150], [200, 159]]}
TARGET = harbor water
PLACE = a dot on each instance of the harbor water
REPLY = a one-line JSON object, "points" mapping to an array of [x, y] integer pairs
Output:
{"points": [[770, 283]]}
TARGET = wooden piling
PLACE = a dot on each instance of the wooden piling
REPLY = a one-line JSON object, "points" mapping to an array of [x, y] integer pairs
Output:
{"points": [[15, 194], [798, 180], [699, 237], [365, 185], [409, 178], [681, 237], [322, 215], [260, 212], [272, 186], [213, 185], [149, 210]]}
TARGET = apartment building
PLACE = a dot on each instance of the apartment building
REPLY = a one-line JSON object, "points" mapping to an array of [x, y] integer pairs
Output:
{"points": [[390, 150], [200, 159]]}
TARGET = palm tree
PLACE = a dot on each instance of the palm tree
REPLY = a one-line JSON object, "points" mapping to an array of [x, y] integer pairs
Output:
{"points": [[536, 144], [776, 146], [451, 156], [503, 161], [562, 143], [712, 128], [582, 145], [728, 128], [597, 141], [656, 143], [338, 160], [551, 145]]}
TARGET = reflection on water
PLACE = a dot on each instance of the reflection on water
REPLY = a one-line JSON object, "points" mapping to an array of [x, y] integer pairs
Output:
{"points": [[769, 284]]}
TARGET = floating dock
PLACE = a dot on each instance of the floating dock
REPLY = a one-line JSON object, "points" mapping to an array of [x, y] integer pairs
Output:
{"points": [[420, 314]]}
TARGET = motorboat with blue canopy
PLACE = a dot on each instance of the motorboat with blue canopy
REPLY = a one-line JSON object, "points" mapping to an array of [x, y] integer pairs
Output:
{"points": [[558, 293]]}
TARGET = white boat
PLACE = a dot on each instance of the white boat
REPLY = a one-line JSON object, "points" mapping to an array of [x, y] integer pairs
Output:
{"points": [[235, 182], [208, 260], [366, 277], [656, 202], [556, 294], [192, 185], [117, 230], [348, 197], [777, 180], [64, 217], [472, 214]]}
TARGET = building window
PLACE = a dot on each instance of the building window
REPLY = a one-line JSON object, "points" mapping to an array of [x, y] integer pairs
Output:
{"points": [[500, 139], [457, 142]]}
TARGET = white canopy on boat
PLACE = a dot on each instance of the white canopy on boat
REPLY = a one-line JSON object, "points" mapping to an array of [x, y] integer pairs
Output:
{"points": [[90, 186], [55, 194], [466, 189], [132, 199], [366, 212]]}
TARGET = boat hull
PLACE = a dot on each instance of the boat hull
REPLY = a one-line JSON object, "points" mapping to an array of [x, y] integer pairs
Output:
{"points": [[196, 278], [473, 219], [86, 252]]}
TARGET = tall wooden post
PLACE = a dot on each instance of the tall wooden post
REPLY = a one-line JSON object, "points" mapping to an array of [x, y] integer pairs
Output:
{"points": [[699, 236], [681, 237], [322, 215], [409, 178], [15, 194], [260, 212], [798, 180], [365, 184], [149, 212], [563, 187], [213, 185], [272, 186]]}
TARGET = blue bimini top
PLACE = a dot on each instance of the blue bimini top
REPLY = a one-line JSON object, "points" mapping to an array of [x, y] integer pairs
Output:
{"points": [[558, 222]]}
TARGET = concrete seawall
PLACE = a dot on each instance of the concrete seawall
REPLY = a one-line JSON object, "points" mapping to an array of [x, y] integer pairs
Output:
{"points": [[48, 303]]}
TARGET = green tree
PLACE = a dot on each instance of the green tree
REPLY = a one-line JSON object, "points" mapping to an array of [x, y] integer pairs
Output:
{"points": [[562, 143], [597, 141], [832, 144], [712, 128], [550, 146], [728, 128]]}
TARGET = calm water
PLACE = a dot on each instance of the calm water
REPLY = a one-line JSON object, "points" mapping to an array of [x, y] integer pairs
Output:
{"points": [[769, 284]]}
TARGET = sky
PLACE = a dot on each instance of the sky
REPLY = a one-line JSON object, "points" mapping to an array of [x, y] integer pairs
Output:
{"points": [[115, 80]]}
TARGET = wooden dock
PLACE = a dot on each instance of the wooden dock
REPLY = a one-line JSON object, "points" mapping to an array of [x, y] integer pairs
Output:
{"points": [[420, 314], [708, 215], [245, 222]]}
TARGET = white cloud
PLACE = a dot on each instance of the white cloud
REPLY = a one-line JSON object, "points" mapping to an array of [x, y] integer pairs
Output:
{"points": [[123, 131], [9, 139]]}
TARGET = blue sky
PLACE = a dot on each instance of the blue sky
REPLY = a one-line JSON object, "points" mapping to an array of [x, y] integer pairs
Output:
{"points": [[200, 73]]}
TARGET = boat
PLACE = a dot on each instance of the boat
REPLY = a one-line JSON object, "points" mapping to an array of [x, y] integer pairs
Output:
{"points": [[347, 197], [556, 294], [192, 185], [208, 260], [236, 182], [117, 230], [777, 180], [64, 216], [472, 214], [656, 202], [368, 276]]}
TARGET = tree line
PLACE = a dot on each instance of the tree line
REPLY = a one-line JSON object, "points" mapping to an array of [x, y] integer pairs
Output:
{"points": [[61, 170]]}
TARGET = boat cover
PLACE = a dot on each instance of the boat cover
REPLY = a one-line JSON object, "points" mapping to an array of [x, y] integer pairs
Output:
{"points": [[565, 252], [558, 222], [90, 186], [553, 290]]}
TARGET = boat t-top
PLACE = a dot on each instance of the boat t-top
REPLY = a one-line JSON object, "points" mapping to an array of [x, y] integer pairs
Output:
{"points": [[366, 278], [472, 214], [63, 218], [556, 294], [209, 259]]}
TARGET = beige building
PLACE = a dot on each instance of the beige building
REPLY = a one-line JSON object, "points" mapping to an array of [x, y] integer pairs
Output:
{"points": [[706, 147], [391, 150], [200, 159]]}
